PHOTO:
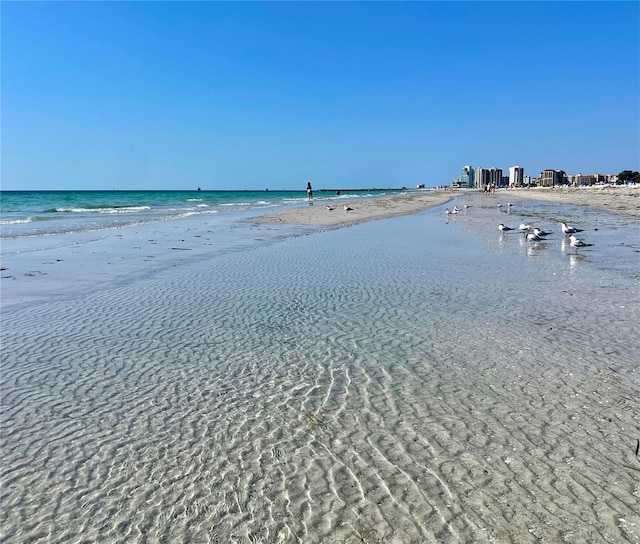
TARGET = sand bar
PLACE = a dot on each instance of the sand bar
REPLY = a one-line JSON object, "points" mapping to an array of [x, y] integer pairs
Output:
{"points": [[368, 209]]}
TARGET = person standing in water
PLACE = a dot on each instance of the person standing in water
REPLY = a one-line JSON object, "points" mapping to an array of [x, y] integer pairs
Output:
{"points": [[309, 191]]}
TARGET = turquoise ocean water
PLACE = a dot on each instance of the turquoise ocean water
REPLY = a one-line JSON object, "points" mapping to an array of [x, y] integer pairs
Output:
{"points": [[36, 213]]}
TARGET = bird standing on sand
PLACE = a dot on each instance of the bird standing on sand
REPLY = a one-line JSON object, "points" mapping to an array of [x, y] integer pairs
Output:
{"points": [[575, 243], [568, 230], [347, 208], [503, 228], [329, 208]]}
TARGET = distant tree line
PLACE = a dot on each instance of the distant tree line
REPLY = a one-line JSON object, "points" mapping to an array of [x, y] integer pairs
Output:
{"points": [[628, 175]]}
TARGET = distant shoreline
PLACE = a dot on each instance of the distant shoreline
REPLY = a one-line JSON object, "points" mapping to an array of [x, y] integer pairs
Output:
{"points": [[621, 200]]}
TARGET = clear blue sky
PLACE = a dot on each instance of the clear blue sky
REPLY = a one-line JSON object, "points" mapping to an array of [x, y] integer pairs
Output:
{"points": [[243, 95]]}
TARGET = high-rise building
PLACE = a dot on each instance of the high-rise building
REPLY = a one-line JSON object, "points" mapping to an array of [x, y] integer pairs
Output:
{"points": [[495, 176], [481, 178], [551, 178], [516, 176], [466, 178]]}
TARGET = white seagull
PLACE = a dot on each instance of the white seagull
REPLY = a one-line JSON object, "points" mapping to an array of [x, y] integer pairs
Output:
{"points": [[569, 230], [447, 211], [456, 209], [541, 233], [329, 208], [347, 208], [531, 237], [525, 227], [574, 242], [503, 228]]}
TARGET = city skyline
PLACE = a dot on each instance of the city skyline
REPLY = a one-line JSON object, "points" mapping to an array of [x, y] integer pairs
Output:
{"points": [[480, 177], [136, 95]]}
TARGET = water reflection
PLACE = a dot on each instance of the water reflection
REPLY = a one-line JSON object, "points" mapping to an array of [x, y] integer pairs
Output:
{"points": [[574, 261], [534, 248]]}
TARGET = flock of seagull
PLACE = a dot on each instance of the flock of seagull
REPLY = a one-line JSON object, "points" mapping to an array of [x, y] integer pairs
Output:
{"points": [[534, 234]]}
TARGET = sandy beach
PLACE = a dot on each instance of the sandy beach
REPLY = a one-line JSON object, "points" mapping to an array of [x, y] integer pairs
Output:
{"points": [[622, 200], [613, 199], [425, 378]]}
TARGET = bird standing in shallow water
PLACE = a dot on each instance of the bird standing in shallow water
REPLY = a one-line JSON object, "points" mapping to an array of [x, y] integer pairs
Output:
{"points": [[575, 243], [540, 233], [503, 228], [347, 208], [568, 230]]}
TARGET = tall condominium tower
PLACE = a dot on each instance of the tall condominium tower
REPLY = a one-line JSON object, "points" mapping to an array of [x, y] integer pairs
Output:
{"points": [[516, 176]]}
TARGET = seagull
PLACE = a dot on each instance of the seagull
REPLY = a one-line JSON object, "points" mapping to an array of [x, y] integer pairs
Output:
{"points": [[569, 230], [499, 205], [446, 210], [347, 208], [467, 206], [503, 228], [539, 232], [524, 226], [456, 209], [509, 204], [574, 242], [329, 208], [531, 237]]}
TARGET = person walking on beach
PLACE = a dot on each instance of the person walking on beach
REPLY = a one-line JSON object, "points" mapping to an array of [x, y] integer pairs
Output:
{"points": [[309, 191]]}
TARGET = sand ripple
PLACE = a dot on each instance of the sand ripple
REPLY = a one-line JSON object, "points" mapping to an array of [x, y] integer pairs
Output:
{"points": [[317, 391]]}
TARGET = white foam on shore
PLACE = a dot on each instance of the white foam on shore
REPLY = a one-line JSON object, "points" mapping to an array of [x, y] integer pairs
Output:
{"points": [[402, 380]]}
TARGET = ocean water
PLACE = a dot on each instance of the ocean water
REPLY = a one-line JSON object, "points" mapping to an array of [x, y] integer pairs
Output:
{"points": [[38, 213], [417, 379]]}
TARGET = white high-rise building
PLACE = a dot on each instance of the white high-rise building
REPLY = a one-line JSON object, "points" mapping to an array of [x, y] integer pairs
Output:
{"points": [[516, 176]]}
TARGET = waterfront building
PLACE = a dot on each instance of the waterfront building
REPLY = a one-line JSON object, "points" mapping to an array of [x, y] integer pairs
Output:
{"points": [[551, 178], [466, 178], [481, 178], [495, 176], [516, 176]]}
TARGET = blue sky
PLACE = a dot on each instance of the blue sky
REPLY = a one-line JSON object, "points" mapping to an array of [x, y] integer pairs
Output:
{"points": [[244, 95]]}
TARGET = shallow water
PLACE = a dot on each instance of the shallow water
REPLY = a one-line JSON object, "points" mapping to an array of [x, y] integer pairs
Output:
{"points": [[406, 380]]}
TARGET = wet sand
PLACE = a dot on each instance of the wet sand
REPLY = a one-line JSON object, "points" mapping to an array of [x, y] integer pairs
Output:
{"points": [[370, 209]]}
